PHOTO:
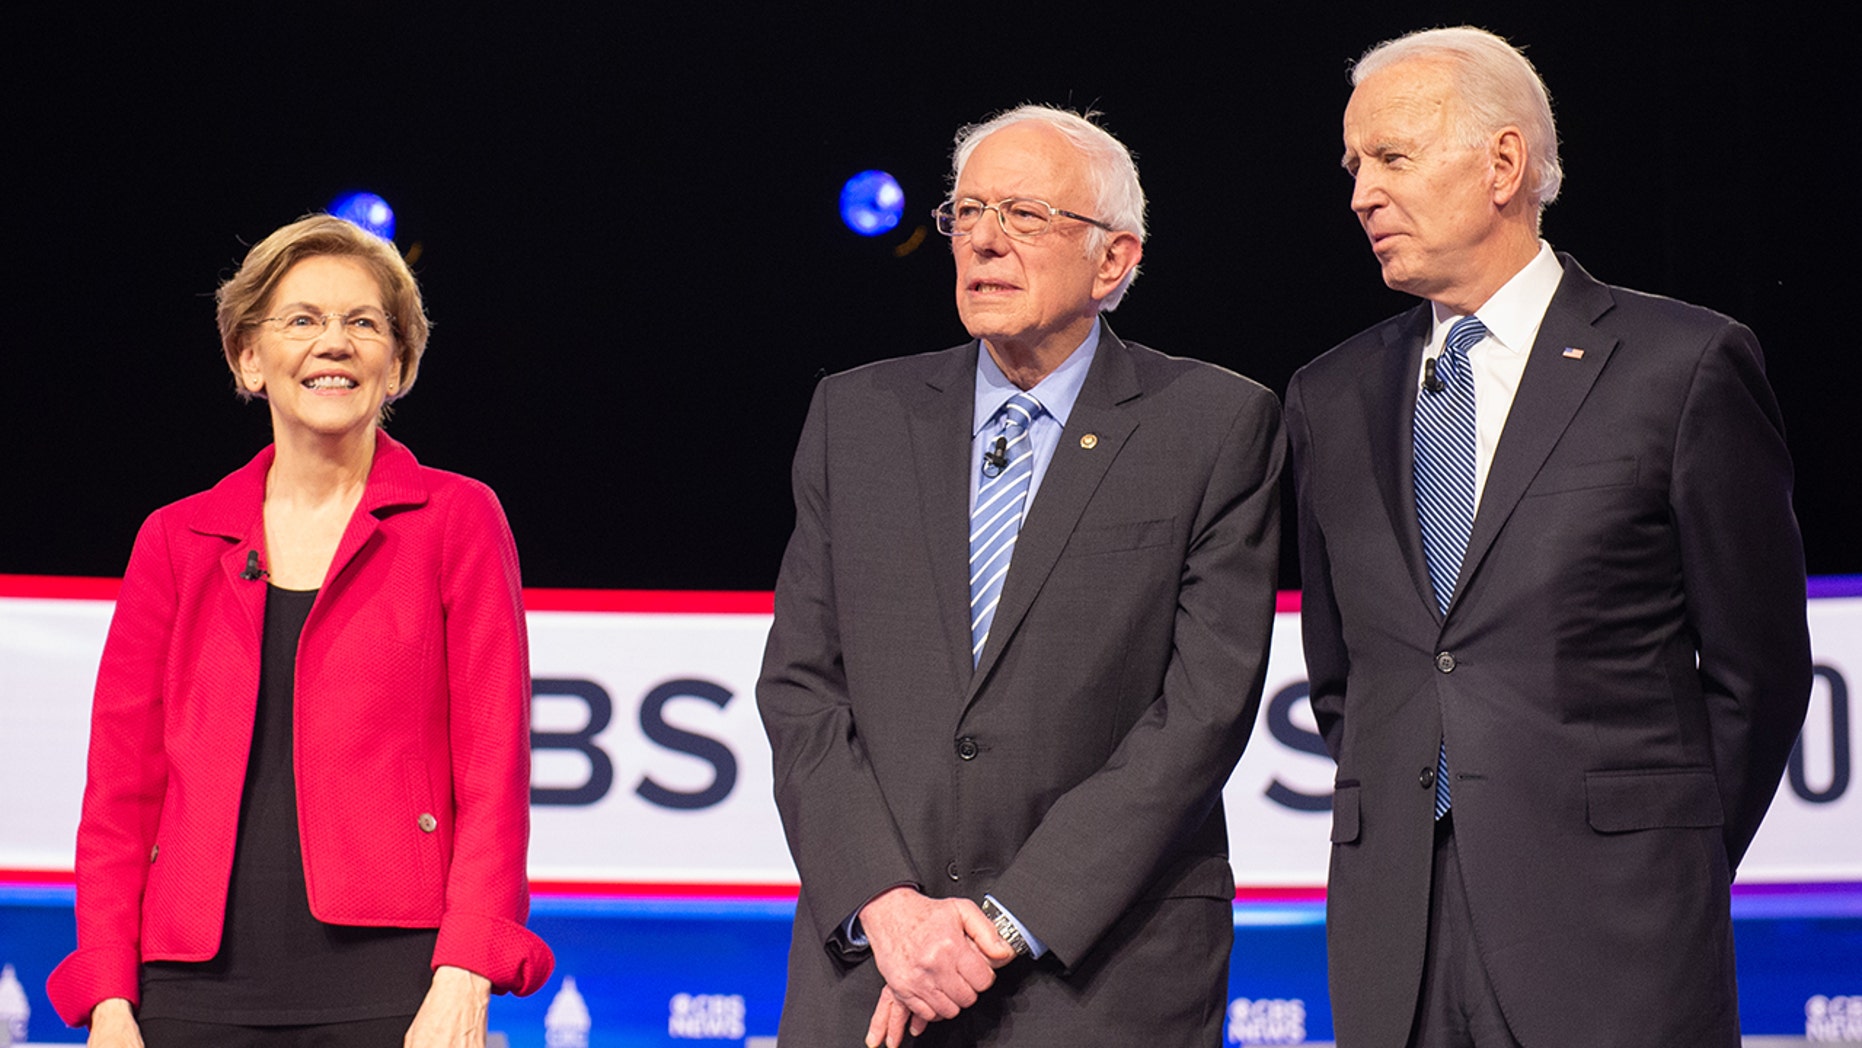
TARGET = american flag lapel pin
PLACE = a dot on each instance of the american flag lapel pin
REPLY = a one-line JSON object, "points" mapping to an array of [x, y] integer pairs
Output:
{"points": [[1574, 353]]}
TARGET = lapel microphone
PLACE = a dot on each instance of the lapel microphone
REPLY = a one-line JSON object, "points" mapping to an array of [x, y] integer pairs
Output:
{"points": [[253, 572], [1429, 381], [996, 459]]}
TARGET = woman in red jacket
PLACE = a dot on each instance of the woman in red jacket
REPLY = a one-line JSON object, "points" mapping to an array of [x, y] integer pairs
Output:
{"points": [[308, 799]]}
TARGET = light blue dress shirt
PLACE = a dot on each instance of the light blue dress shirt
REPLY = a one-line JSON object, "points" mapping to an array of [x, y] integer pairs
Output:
{"points": [[1057, 393]]}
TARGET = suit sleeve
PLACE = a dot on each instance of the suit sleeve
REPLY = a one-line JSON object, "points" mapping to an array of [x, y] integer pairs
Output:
{"points": [[839, 829], [1166, 775], [1742, 567], [488, 688], [126, 780], [1321, 630]]}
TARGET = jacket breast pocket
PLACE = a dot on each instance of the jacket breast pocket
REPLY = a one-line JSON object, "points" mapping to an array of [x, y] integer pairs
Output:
{"points": [[1345, 813], [1580, 476], [1121, 536], [1652, 798]]}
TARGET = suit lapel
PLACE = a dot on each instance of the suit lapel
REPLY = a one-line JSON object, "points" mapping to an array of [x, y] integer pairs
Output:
{"points": [[249, 594], [394, 482], [1389, 404], [940, 424], [234, 511], [1551, 390], [1066, 488]]}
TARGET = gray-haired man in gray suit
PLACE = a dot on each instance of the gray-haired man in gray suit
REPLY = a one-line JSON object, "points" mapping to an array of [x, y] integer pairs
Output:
{"points": [[1020, 635]]}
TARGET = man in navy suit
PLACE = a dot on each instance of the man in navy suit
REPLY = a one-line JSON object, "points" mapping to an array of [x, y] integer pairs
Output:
{"points": [[1553, 599]]}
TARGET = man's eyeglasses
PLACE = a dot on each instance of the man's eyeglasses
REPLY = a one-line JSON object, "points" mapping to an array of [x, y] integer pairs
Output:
{"points": [[1020, 218]]}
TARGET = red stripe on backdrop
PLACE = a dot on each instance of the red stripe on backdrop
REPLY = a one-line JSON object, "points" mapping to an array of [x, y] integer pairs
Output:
{"points": [[675, 890], [58, 587], [36, 877], [1275, 894], [639, 602], [662, 602], [653, 602], [658, 602], [1279, 894], [665, 890], [692, 890]]}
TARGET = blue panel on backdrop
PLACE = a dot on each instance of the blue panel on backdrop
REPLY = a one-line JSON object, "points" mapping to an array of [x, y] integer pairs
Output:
{"points": [[1276, 976], [675, 972], [666, 974]]}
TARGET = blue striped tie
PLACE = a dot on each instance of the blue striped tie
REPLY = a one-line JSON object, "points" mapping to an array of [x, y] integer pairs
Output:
{"points": [[1445, 443], [1001, 499]]}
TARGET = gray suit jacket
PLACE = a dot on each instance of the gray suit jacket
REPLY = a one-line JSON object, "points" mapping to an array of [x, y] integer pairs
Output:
{"points": [[1620, 677], [1076, 771]]}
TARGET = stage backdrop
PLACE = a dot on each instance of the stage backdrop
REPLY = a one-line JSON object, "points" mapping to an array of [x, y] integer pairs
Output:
{"points": [[652, 775]]}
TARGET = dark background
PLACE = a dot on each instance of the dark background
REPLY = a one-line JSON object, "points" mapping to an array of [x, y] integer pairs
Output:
{"points": [[630, 249]]}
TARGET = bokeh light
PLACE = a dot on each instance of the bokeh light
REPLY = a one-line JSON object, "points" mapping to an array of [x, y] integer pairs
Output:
{"points": [[367, 210], [871, 203]]}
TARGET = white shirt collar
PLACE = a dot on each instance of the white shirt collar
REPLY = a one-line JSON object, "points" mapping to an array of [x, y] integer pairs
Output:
{"points": [[1513, 313]]}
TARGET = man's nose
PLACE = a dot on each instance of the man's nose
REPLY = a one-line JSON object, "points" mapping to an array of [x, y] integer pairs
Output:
{"points": [[1366, 193], [988, 235]]}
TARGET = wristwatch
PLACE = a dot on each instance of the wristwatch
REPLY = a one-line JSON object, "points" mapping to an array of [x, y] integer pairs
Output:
{"points": [[1005, 927]]}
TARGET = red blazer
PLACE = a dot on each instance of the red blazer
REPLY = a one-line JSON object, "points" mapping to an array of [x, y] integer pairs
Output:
{"points": [[411, 733]]}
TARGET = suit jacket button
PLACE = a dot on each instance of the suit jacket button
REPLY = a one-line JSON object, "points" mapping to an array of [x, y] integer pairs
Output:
{"points": [[1445, 662], [967, 748], [428, 823], [950, 870], [153, 852], [1426, 779]]}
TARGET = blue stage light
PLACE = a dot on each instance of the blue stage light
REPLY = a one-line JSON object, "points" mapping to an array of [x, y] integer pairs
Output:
{"points": [[871, 203], [366, 210]]}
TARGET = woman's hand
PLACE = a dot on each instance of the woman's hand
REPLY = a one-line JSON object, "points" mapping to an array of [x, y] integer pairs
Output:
{"points": [[113, 1025], [453, 1015]]}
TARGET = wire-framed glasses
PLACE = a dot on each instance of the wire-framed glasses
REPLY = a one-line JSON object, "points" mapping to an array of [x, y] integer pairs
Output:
{"points": [[1019, 217], [301, 324]]}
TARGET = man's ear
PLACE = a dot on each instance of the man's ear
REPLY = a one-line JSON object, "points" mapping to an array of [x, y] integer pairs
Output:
{"points": [[1122, 253], [1507, 156]]}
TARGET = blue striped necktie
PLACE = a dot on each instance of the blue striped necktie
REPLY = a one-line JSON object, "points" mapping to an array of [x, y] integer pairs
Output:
{"points": [[1445, 443], [1001, 500]]}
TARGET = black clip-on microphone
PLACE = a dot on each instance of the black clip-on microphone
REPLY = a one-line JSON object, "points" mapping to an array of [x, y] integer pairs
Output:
{"points": [[996, 459], [253, 572]]}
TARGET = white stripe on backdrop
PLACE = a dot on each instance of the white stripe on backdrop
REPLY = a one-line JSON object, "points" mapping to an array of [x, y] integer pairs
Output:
{"points": [[650, 765]]}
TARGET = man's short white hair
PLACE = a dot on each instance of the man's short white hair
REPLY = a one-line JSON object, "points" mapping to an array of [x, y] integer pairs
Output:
{"points": [[1111, 174], [1497, 87]]}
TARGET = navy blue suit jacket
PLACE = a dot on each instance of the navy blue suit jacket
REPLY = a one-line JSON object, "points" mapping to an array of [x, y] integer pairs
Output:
{"points": [[1619, 679]]}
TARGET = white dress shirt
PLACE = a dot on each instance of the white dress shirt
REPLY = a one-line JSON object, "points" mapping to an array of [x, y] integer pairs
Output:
{"points": [[1512, 317]]}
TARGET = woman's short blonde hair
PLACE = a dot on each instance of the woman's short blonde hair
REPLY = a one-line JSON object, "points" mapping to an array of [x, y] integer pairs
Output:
{"points": [[246, 296]]}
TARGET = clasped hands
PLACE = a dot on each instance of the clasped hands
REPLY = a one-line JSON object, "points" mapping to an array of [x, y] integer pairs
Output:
{"points": [[936, 956]]}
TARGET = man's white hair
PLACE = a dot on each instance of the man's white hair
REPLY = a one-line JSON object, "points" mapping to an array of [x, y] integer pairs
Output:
{"points": [[1497, 87]]}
